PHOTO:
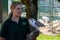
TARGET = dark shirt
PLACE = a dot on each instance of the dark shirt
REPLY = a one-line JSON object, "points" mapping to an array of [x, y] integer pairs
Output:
{"points": [[13, 31]]}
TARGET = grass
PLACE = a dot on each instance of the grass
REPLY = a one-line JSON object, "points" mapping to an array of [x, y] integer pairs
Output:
{"points": [[48, 37]]}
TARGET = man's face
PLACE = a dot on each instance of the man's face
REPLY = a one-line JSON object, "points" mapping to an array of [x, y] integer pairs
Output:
{"points": [[18, 10]]}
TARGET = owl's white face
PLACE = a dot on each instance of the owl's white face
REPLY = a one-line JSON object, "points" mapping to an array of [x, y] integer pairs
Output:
{"points": [[34, 23]]}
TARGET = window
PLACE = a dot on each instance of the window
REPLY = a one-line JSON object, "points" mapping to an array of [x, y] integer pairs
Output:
{"points": [[49, 8]]}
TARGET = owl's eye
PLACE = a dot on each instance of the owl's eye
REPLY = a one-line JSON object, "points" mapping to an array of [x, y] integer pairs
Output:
{"points": [[32, 21]]}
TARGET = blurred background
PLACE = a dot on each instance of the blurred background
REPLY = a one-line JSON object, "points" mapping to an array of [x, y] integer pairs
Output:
{"points": [[49, 8]]}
